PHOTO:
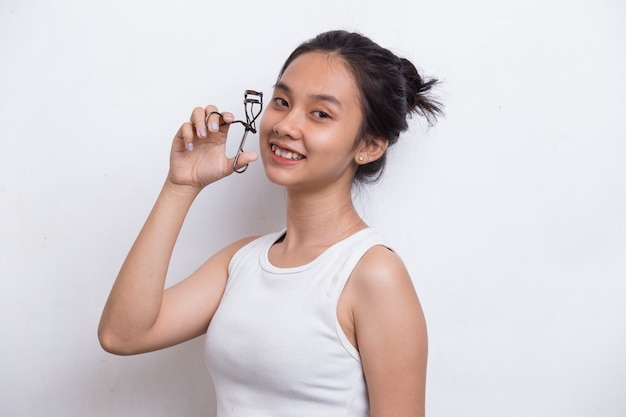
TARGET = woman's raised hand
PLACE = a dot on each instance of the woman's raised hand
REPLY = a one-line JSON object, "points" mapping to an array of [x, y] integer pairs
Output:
{"points": [[198, 155]]}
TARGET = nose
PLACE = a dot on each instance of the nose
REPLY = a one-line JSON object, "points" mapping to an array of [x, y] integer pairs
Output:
{"points": [[289, 125]]}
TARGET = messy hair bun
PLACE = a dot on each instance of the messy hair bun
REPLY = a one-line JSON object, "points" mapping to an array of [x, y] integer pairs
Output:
{"points": [[418, 93], [391, 89]]}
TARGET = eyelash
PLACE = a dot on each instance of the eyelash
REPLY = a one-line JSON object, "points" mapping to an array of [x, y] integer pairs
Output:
{"points": [[322, 114], [281, 101]]}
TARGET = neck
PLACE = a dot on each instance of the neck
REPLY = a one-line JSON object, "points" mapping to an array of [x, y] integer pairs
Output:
{"points": [[320, 219]]}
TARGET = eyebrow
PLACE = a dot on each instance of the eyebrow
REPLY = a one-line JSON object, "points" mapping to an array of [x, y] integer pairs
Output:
{"points": [[319, 97]]}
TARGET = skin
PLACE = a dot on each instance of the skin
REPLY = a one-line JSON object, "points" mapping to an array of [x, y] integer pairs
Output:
{"points": [[314, 112]]}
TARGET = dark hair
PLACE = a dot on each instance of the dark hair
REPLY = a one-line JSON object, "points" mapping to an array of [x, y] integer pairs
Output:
{"points": [[391, 89]]}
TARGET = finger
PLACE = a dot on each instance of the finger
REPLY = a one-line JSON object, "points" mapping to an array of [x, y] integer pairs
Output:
{"points": [[212, 118], [197, 120], [187, 134], [228, 117], [225, 120], [215, 120], [244, 159]]}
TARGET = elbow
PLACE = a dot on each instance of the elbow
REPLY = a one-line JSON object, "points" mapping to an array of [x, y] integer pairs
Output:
{"points": [[113, 343]]}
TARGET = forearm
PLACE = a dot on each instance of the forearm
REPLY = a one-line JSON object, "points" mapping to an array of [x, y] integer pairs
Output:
{"points": [[135, 299]]}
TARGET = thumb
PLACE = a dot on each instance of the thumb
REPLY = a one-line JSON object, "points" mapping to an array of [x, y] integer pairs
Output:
{"points": [[243, 159]]}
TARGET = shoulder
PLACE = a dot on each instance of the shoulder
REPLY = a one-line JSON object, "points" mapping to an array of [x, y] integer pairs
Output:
{"points": [[382, 295], [380, 269], [229, 251], [238, 244], [217, 265], [247, 245], [390, 332], [380, 291]]}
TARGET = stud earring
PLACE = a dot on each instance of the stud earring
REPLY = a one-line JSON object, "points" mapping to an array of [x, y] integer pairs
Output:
{"points": [[361, 158]]}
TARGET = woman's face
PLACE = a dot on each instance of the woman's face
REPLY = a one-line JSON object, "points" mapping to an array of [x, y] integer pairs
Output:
{"points": [[308, 131]]}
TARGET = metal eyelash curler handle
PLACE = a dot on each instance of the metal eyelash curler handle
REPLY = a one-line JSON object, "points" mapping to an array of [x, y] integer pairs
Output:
{"points": [[251, 100]]}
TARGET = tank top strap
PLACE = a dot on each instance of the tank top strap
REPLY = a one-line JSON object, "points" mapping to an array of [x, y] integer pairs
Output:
{"points": [[353, 250]]}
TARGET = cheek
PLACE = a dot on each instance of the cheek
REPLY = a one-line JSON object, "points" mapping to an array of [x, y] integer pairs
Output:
{"points": [[265, 128], [266, 125]]}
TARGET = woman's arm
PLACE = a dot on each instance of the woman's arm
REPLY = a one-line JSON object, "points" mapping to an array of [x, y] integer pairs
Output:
{"points": [[139, 315], [390, 333]]}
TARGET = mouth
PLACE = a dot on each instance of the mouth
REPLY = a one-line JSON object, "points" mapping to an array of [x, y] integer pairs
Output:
{"points": [[287, 154]]}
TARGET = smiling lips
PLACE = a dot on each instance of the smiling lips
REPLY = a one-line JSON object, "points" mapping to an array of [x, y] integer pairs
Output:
{"points": [[286, 154]]}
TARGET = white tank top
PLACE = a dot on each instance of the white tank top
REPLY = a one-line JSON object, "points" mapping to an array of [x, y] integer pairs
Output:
{"points": [[275, 347]]}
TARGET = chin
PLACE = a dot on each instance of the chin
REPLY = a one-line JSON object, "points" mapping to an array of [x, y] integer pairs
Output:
{"points": [[277, 176], [272, 174]]}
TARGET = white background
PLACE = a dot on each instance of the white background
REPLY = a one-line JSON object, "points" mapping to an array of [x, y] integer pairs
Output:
{"points": [[510, 213]]}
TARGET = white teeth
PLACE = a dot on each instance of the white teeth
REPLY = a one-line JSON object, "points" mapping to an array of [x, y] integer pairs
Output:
{"points": [[286, 154]]}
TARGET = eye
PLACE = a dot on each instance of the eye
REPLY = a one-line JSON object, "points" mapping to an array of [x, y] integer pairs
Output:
{"points": [[281, 102], [321, 114]]}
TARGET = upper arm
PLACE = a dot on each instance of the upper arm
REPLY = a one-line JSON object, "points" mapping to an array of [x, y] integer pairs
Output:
{"points": [[391, 334], [188, 306]]}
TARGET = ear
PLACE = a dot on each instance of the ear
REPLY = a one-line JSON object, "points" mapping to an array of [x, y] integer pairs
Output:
{"points": [[370, 150]]}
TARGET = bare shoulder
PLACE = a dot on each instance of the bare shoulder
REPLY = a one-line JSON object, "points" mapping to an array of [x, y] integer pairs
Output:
{"points": [[217, 265], [390, 332], [230, 250], [382, 299], [380, 270]]}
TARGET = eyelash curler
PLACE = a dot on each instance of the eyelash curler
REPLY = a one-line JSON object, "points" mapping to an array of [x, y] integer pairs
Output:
{"points": [[253, 105]]}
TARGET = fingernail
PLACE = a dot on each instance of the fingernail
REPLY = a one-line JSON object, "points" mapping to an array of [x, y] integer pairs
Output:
{"points": [[215, 126], [202, 132], [190, 147]]}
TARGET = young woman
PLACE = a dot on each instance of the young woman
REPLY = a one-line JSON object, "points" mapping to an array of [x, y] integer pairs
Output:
{"points": [[321, 318]]}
